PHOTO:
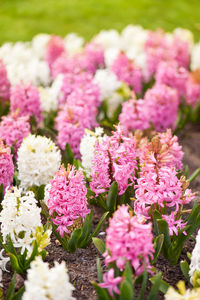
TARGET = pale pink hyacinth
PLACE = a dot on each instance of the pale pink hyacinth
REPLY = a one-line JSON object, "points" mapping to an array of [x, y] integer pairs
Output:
{"points": [[85, 90], [78, 113], [55, 48], [170, 143], [13, 129], [6, 165], [111, 283], [25, 99], [161, 106], [171, 74], [4, 83], [127, 71], [94, 56], [160, 48], [173, 224], [193, 88], [159, 186], [133, 115], [128, 238], [67, 198], [114, 160]]}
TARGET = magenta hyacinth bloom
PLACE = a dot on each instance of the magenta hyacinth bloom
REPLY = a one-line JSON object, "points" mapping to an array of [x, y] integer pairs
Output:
{"points": [[110, 282], [94, 57], [25, 100], [14, 129], [114, 160], [171, 74], [6, 165], [133, 115], [67, 198], [127, 71], [4, 83], [128, 238], [55, 48], [161, 106]]}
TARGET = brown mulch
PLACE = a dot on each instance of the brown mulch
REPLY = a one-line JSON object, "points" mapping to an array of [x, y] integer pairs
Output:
{"points": [[82, 264]]}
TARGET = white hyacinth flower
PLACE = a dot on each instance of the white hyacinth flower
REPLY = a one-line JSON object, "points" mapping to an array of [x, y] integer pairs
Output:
{"points": [[113, 102], [107, 82], [3, 262], [73, 43], [47, 284], [39, 44], [185, 35], [38, 159], [108, 39], [20, 217], [195, 259], [87, 144], [48, 99], [195, 57]]}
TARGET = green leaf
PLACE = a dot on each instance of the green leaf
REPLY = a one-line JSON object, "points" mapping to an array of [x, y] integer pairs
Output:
{"points": [[185, 269], [45, 209], [99, 244], [98, 227], [86, 229], [99, 270], [112, 197], [194, 175], [126, 291], [40, 192], [33, 254], [163, 285], [128, 273], [19, 294], [10, 245], [158, 243], [73, 241], [15, 264], [1, 192], [102, 293], [68, 156], [167, 246], [11, 289], [155, 287], [144, 283]]}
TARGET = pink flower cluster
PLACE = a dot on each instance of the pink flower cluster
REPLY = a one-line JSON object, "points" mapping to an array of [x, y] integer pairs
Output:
{"points": [[4, 83], [171, 74], [127, 71], [55, 48], [91, 58], [114, 160], [13, 129], [160, 48], [134, 115], [110, 282], [6, 165], [158, 185], [128, 238], [161, 106], [25, 100], [67, 198], [193, 88], [78, 113]]}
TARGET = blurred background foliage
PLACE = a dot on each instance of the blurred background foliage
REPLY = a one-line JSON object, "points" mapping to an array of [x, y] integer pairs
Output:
{"points": [[22, 19]]}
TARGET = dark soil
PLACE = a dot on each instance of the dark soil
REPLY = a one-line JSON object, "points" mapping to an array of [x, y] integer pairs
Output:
{"points": [[82, 264]]}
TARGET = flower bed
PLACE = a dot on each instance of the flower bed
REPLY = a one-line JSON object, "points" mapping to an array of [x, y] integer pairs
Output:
{"points": [[90, 158]]}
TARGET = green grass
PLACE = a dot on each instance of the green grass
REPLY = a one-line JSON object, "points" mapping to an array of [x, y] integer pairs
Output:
{"points": [[22, 19]]}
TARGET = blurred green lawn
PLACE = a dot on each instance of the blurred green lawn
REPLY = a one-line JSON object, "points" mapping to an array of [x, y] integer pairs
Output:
{"points": [[22, 19]]}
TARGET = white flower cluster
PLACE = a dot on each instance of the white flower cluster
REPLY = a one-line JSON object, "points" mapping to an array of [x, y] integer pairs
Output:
{"points": [[49, 95], [88, 142], [23, 65], [195, 259], [47, 284], [38, 159], [20, 217], [73, 43], [195, 57], [107, 82]]}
